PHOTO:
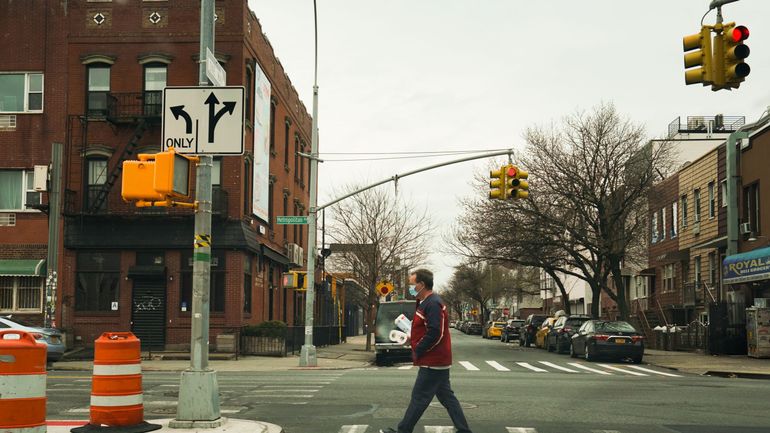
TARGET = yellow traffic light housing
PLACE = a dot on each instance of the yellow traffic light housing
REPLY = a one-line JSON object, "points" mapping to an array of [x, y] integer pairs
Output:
{"points": [[157, 179], [295, 280], [138, 177], [734, 52], [497, 184], [516, 185], [173, 174], [698, 63]]}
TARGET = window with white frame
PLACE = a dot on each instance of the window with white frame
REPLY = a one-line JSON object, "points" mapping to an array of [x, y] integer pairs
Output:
{"points": [[674, 219], [21, 92], [17, 191], [696, 213], [654, 225], [684, 210], [712, 200], [21, 294], [663, 225], [668, 277], [723, 187], [697, 276]]}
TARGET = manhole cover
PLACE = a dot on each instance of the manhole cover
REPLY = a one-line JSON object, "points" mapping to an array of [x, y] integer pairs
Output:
{"points": [[462, 405]]}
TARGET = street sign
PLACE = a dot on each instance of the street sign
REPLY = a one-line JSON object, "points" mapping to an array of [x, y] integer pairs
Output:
{"points": [[384, 287], [283, 220], [214, 70], [203, 120]]}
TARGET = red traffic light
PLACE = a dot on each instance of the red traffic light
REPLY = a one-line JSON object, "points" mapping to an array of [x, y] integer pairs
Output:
{"points": [[740, 33], [511, 172]]}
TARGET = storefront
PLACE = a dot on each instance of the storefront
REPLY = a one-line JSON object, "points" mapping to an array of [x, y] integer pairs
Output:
{"points": [[748, 275]]}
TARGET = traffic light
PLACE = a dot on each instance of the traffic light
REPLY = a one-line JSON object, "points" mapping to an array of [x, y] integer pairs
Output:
{"points": [[138, 177], [735, 52], [173, 172], [497, 184], [516, 185], [157, 177], [697, 50], [295, 280]]}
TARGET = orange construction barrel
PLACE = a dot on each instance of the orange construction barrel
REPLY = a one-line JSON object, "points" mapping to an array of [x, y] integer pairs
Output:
{"points": [[22, 382]]}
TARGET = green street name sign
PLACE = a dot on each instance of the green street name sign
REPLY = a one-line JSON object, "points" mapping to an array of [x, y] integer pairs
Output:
{"points": [[291, 220]]}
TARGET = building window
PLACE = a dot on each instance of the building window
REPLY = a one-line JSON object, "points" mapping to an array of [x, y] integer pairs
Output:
{"points": [[97, 179], [97, 281], [155, 75], [249, 86], [216, 281], [21, 93], [270, 206], [668, 277], [273, 104], [296, 158], [696, 213], [302, 167], [295, 226], [21, 294], [751, 207], [285, 212], [98, 89], [723, 187], [696, 277], [287, 123], [713, 276], [684, 210], [16, 190], [663, 223], [216, 171], [654, 224], [246, 183], [247, 285], [674, 219], [712, 200]]}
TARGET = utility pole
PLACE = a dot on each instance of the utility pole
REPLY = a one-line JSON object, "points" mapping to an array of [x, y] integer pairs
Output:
{"points": [[307, 356], [198, 405], [54, 211]]}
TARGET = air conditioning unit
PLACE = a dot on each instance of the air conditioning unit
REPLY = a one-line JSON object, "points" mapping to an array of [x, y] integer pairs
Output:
{"points": [[296, 254], [745, 228]]}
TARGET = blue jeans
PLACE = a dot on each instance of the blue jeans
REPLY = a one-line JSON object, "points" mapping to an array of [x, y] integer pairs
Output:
{"points": [[431, 382]]}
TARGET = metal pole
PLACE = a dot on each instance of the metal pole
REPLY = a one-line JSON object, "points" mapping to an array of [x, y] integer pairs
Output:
{"points": [[54, 211], [307, 356], [198, 405]]}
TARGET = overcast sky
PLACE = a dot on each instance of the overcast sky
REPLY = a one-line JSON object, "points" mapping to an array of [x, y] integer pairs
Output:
{"points": [[433, 75]]}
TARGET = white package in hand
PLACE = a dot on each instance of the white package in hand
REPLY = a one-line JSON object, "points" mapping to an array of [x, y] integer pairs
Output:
{"points": [[398, 337], [404, 324]]}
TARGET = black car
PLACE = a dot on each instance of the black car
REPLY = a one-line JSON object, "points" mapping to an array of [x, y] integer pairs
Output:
{"points": [[529, 329], [560, 337], [511, 330], [474, 328], [608, 339]]}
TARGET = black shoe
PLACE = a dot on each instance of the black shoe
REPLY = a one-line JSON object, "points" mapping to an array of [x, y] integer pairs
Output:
{"points": [[387, 430]]}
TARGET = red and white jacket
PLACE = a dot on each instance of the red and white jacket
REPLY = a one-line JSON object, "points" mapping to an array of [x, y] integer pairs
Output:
{"points": [[431, 344]]}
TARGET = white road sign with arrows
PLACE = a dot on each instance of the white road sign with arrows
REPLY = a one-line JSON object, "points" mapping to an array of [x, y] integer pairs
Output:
{"points": [[203, 120]]}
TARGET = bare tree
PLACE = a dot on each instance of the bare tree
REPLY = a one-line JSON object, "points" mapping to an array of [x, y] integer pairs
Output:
{"points": [[481, 283], [376, 236]]}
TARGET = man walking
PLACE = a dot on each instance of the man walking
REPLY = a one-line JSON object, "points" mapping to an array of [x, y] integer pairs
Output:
{"points": [[432, 352]]}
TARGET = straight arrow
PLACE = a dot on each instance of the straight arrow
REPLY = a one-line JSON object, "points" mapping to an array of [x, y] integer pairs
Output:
{"points": [[212, 101]]}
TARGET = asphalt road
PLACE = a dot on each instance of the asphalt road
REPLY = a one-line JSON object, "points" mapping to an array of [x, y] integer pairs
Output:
{"points": [[504, 388]]}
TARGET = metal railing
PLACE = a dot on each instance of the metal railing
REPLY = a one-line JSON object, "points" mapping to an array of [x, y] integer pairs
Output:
{"points": [[122, 106], [290, 343], [661, 313], [695, 124]]}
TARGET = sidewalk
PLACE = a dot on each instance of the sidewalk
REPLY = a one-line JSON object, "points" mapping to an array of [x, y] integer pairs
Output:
{"points": [[715, 365], [350, 354]]}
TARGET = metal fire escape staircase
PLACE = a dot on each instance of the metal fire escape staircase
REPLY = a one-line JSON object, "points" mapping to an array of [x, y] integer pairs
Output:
{"points": [[112, 177]]}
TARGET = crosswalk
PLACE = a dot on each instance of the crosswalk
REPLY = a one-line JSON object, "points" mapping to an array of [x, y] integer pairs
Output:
{"points": [[365, 428], [553, 367]]}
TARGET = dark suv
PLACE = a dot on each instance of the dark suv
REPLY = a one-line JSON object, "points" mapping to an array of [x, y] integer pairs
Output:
{"points": [[560, 337], [474, 328], [511, 330], [529, 329]]}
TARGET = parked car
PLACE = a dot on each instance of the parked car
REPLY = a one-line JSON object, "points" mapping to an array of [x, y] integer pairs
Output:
{"points": [[511, 330], [529, 329], [462, 326], [560, 337], [452, 323], [49, 336], [474, 328], [541, 333], [608, 339], [493, 329], [387, 351]]}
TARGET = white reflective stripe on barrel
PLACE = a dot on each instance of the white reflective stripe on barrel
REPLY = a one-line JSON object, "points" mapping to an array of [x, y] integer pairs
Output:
{"points": [[22, 386], [38, 429], [117, 370], [116, 400]]}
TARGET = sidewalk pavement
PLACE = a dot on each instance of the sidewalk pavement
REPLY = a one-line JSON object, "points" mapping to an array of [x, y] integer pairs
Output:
{"points": [[715, 365], [351, 354]]}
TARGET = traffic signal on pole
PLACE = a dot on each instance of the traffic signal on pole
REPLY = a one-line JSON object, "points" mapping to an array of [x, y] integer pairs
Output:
{"points": [[497, 184], [138, 178], [698, 63], [157, 177], [735, 52], [295, 280], [517, 186]]}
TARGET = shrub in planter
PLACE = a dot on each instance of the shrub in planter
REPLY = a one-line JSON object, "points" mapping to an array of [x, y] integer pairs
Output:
{"points": [[272, 329], [267, 338]]}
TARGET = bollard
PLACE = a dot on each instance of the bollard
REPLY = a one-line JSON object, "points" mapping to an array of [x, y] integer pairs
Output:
{"points": [[22, 383], [116, 387]]}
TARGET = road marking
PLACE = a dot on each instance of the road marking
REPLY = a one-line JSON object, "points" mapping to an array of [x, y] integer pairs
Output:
{"points": [[469, 366], [295, 386], [605, 431], [532, 367], [257, 391], [653, 371], [621, 370], [497, 366], [285, 396], [80, 410], [406, 367], [358, 428], [160, 403], [521, 430], [69, 389], [593, 370], [558, 367], [439, 429]]}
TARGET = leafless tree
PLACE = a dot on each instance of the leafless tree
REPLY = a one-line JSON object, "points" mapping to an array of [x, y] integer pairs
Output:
{"points": [[375, 237], [482, 283]]}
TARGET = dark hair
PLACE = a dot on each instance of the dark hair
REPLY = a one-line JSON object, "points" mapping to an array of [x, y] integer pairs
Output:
{"points": [[424, 276]]}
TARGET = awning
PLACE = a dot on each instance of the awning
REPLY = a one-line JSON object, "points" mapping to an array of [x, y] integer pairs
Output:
{"points": [[745, 267], [274, 255], [714, 243], [22, 268]]}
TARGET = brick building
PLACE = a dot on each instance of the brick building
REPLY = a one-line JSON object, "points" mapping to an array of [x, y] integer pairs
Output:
{"points": [[123, 268]]}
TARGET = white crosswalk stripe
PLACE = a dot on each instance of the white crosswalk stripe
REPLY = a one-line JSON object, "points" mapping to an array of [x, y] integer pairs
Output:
{"points": [[439, 429], [558, 367], [532, 367], [405, 367], [358, 428], [636, 367], [521, 430], [609, 367], [497, 366], [592, 370], [468, 366], [363, 428]]}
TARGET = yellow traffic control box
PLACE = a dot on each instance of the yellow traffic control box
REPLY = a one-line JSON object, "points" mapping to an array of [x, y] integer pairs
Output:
{"points": [[138, 179]]}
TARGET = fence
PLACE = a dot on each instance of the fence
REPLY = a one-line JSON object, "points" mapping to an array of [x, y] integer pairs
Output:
{"points": [[292, 340], [692, 337]]}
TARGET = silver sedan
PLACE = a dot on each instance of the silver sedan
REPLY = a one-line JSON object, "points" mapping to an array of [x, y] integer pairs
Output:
{"points": [[50, 337]]}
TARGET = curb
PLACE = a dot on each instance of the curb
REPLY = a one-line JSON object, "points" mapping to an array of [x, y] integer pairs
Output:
{"points": [[737, 374]]}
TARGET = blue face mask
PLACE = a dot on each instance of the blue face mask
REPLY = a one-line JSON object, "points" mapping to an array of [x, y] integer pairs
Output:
{"points": [[413, 290]]}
